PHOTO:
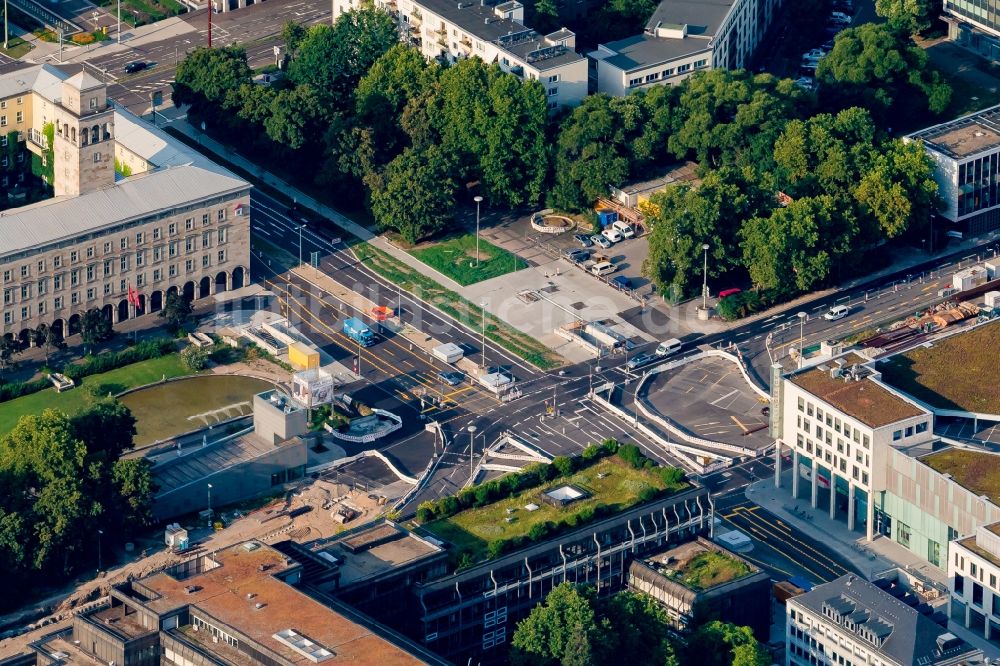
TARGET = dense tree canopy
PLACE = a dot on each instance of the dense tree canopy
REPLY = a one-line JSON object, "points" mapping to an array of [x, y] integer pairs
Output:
{"points": [[60, 480], [878, 67], [910, 16]]}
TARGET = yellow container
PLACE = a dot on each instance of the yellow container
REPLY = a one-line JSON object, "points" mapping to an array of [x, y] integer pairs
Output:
{"points": [[302, 357]]}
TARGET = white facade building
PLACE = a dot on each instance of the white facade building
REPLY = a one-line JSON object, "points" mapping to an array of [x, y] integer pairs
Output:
{"points": [[682, 37], [495, 33], [850, 622], [840, 423], [974, 579]]}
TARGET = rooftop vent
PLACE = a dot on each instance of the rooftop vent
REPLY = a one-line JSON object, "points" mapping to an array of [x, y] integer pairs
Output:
{"points": [[259, 605], [251, 595]]}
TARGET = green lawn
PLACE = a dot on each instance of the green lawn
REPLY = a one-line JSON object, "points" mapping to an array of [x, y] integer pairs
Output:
{"points": [[472, 530], [708, 569], [978, 471], [456, 258], [137, 374], [16, 48], [954, 373], [418, 284]]}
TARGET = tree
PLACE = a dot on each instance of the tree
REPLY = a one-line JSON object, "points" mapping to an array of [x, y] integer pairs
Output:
{"points": [[911, 16], [561, 630], [899, 190], [176, 311], [8, 348], [209, 80], [94, 327], [133, 478], [195, 358], [721, 644], [292, 34], [546, 16], [636, 630], [47, 339], [106, 428], [415, 195], [880, 68], [333, 58]]}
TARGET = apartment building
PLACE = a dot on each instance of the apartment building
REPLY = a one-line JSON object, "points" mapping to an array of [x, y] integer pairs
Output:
{"points": [[966, 153], [683, 37], [132, 209], [850, 622], [839, 423], [974, 24], [494, 33], [233, 607]]}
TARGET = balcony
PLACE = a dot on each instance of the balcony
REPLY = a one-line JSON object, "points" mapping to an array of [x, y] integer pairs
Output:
{"points": [[37, 138]]}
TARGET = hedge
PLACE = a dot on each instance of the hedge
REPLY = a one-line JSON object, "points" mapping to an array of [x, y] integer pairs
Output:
{"points": [[93, 365]]}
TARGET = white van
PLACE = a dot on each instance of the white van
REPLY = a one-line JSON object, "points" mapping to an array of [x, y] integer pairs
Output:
{"points": [[624, 228], [603, 268], [836, 312], [669, 347]]}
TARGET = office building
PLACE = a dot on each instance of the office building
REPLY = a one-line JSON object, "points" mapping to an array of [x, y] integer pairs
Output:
{"points": [[683, 37], [973, 572], [974, 24], [965, 153], [494, 33], [234, 607], [132, 208], [849, 622]]}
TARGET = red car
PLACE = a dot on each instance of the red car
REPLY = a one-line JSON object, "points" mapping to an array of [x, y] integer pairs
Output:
{"points": [[729, 292]]}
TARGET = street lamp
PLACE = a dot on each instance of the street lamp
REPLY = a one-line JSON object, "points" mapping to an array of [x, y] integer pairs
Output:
{"points": [[802, 322], [477, 199], [100, 560], [119, 29], [472, 448], [704, 283], [6, 32], [210, 505]]}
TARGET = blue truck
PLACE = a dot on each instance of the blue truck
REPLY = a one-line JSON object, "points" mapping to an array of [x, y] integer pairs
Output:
{"points": [[358, 331]]}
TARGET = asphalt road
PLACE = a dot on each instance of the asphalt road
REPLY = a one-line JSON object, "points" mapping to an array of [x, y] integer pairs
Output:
{"points": [[257, 28]]}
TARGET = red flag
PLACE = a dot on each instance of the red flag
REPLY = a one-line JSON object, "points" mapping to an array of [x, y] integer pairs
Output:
{"points": [[133, 296]]}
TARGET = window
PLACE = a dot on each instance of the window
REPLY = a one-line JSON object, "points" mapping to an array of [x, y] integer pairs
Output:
{"points": [[172, 228], [25, 312], [172, 270], [41, 265], [667, 72], [8, 317], [109, 267], [90, 253], [156, 233], [20, 116], [865, 441], [3, 141], [124, 243], [91, 293], [107, 247], [921, 427], [74, 277], [189, 244], [57, 302], [553, 78], [97, 158], [57, 282], [206, 239], [700, 63], [909, 431], [140, 279], [222, 256], [6, 276], [683, 68], [3, 121], [91, 272], [634, 82], [124, 263], [221, 215], [188, 265], [158, 253], [903, 534], [139, 238], [897, 435], [205, 219], [157, 274], [74, 298], [802, 404], [973, 569], [189, 224], [139, 256], [221, 236], [172, 249], [977, 594], [205, 261], [652, 77], [107, 289], [8, 296], [553, 92]]}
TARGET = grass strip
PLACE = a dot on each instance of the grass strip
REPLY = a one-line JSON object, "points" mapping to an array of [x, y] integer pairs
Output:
{"points": [[456, 258], [466, 312]]}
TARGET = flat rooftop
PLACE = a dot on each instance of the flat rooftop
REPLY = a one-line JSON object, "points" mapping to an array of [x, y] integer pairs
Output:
{"points": [[641, 51], [195, 466], [378, 549], [978, 471], [221, 590], [865, 400], [698, 567], [953, 373], [61, 648], [965, 136], [116, 621], [703, 17], [970, 544]]}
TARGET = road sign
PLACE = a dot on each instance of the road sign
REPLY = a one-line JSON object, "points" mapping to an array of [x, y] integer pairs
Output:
{"points": [[314, 259], [335, 241]]}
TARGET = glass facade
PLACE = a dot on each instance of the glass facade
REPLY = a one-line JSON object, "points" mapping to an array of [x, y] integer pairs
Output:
{"points": [[984, 12], [977, 184]]}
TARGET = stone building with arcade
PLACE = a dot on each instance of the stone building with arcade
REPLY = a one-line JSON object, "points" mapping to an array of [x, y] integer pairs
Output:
{"points": [[133, 208]]}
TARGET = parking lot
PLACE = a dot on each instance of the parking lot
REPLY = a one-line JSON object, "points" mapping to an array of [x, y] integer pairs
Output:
{"points": [[710, 399]]}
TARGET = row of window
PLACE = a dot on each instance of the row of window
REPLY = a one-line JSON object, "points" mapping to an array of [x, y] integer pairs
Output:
{"points": [[975, 571], [832, 421], [667, 73], [3, 103], [91, 293], [909, 431], [976, 597], [814, 651], [124, 263], [18, 118], [75, 256]]}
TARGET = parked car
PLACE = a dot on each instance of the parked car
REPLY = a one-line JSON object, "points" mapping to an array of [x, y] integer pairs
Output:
{"points": [[576, 255], [452, 378], [621, 283], [601, 241], [135, 66], [583, 240], [729, 292], [603, 268], [638, 361], [813, 54], [612, 234], [840, 17], [806, 83], [624, 228], [836, 312]]}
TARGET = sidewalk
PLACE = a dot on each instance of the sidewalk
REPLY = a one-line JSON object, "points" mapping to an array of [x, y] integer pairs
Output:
{"points": [[131, 37]]}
